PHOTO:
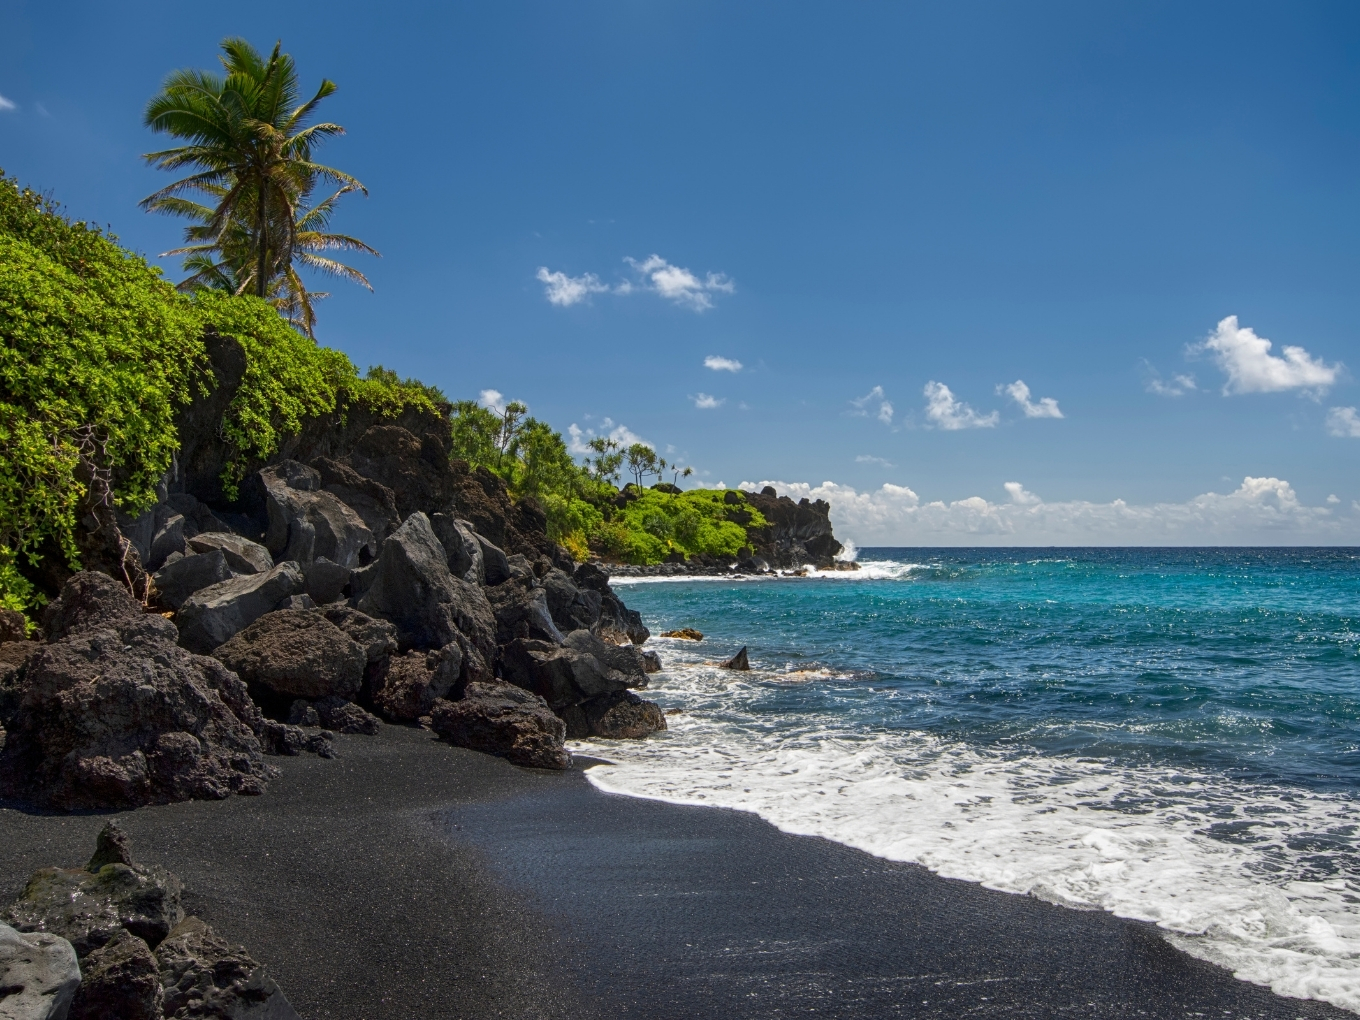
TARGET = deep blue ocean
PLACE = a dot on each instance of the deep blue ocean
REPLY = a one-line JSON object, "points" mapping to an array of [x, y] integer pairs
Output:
{"points": [[1170, 734]]}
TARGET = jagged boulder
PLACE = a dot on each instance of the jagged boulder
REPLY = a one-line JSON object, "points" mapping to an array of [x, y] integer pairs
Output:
{"points": [[305, 521], [521, 610], [116, 714], [616, 623], [738, 661], [430, 607], [651, 662], [567, 675], [242, 555], [415, 469], [414, 681], [39, 974], [182, 576], [119, 981], [462, 547], [504, 720], [371, 500], [210, 617], [334, 714], [204, 975], [572, 607], [377, 638], [296, 653], [618, 716]]}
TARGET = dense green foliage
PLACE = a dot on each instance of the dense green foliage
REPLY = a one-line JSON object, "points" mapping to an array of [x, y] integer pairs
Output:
{"points": [[97, 353], [585, 511]]}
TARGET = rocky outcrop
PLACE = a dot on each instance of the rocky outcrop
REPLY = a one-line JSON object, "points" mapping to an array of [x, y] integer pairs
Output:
{"points": [[119, 979], [616, 622], [204, 975], [504, 720], [796, 535], [430, 607], [307, 522], [738, 661], [113, 713], [521, 610], [334, 714], [294, 654], [39, 975], [13, 626], [622, 716], [242, 555], [211, 617]]}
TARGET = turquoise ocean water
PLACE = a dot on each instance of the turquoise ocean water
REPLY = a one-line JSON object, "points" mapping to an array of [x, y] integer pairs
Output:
{"points": [[1172, 735]]}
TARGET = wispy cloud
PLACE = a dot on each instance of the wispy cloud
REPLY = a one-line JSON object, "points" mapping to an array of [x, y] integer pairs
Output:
{"points": [[1343, 422], [865, 458], [705, 401], [564, 291], [1261, 511], [1047, 407], [864, 406], [721, 364], [579, 438], [946, 412], [1250, 367], [677, 284], [8, 104], [1179, 385]]}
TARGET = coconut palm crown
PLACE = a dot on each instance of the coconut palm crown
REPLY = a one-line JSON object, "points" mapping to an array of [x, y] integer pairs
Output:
{"points": [[250, 146]]}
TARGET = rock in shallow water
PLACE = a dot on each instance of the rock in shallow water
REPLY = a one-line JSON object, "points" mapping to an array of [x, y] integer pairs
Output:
{"points": [[504, 720], [38, 975], [738, 661]]}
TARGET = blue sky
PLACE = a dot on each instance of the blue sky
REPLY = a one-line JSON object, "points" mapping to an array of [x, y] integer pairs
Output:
{"points": [[855, 202]]}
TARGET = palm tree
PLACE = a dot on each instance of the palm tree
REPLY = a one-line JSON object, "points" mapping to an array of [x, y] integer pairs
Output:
{"points": [[215, 261], [251, 149]]}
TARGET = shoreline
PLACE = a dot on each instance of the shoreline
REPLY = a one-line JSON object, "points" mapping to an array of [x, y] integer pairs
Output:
{"points": [[409, 877]]}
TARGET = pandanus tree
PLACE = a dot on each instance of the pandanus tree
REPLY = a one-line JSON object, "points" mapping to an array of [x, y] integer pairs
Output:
{"points": [[250, 144]]}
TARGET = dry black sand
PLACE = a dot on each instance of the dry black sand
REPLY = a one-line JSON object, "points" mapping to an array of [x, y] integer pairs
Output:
{"points": [[411, 879]]}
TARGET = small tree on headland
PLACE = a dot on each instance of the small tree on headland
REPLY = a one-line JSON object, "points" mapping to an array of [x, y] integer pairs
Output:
{"points": [[641, 460], [250, 147]]}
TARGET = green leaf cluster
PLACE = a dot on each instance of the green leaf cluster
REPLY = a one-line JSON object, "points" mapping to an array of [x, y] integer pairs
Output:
{"points": [[98, 353], [655, 525]]}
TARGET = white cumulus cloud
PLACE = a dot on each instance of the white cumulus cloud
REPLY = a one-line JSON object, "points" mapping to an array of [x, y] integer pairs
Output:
{"points": [[946, 412], [1019, 495], [1261, 511], [677, 284], [1343, 422], [8, 104], [1246, 360], [492, 400], [863, 406], [705, 401], [720, 364], [1046, 407], [564, 291]]}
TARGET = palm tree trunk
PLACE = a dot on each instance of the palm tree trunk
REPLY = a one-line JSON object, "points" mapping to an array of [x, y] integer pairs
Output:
{"points": [[261, 288]]}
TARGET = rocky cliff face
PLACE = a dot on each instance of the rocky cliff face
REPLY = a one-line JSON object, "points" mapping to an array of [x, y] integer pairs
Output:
{"points": [[798, 534]]}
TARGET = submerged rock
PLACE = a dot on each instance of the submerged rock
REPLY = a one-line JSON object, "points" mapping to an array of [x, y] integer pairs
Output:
{"points": [[39, 975], [504, 720], [685, 634]]}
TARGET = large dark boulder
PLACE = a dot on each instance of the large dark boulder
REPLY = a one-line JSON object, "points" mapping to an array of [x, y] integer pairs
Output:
{"points": [[371, 500], [521, 610], [184, 575], [504, 720], [567, 675], [204, 975], [116, 714], [211, 616], [242, 555], [413, 682], [619, 716], [306, 522], [572, 607], [415, 469], [430, 607], [119, 981], [377, 638], [296, 653], [39, 974], [462, 546]]}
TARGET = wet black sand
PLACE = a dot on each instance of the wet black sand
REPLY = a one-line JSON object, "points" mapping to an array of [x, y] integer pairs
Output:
{"points": [[411, 879]]}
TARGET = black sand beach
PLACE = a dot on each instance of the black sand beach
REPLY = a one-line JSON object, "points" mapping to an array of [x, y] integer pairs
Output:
{"points": [[413, 879]]}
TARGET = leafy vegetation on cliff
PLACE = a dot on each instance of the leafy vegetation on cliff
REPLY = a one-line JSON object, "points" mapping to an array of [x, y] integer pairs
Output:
{"points": [[97, 353]]}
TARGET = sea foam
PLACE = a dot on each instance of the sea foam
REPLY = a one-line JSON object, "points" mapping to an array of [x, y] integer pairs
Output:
{"points": [[1223, 867]]}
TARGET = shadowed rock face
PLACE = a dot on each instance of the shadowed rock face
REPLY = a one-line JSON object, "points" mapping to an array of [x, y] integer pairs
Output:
{"points": [[115, 714], [798, 534], [211, 617], [504, 720], [415, 681], [119, 979]]}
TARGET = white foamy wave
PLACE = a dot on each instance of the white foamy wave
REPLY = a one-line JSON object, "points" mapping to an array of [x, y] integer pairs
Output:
{"points": [[1139, 842]]}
